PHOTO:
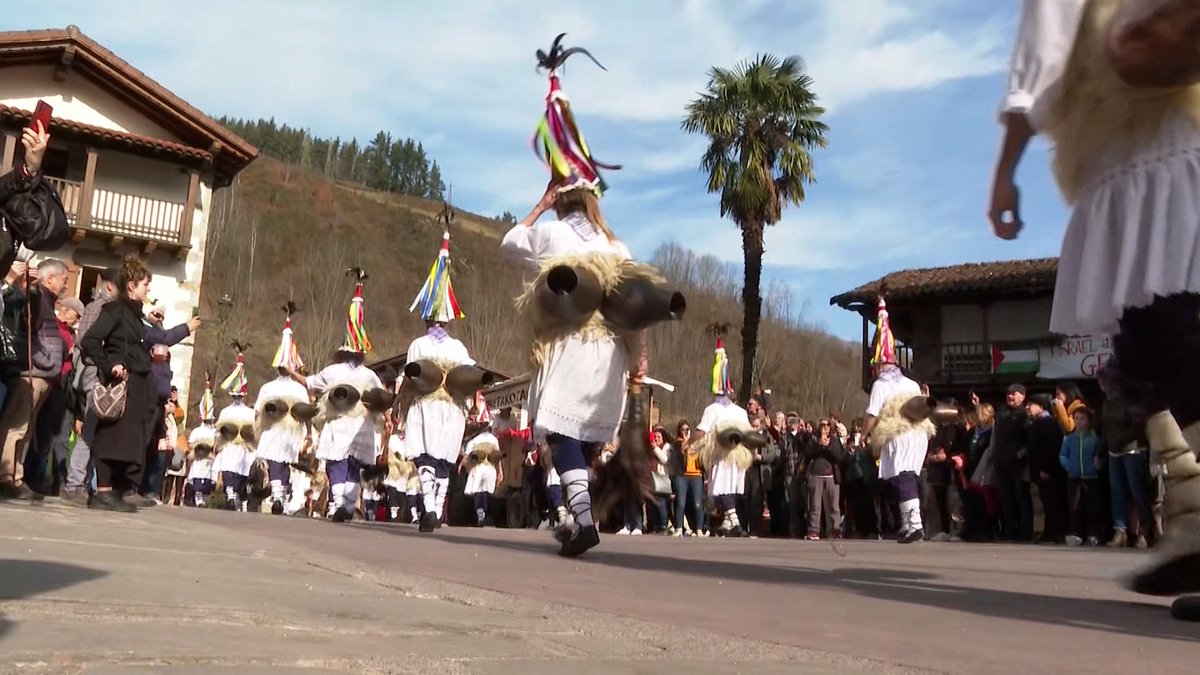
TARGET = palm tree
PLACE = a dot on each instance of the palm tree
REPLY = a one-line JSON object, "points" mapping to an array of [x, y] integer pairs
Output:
{"points": [[762, 119]]}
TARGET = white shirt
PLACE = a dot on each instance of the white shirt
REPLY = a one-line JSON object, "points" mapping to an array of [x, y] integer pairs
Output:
{"points": [[1045, 37], [345, 436], [722, 411], [907, 451], [580, 389], [531, 246], [448, 349]]}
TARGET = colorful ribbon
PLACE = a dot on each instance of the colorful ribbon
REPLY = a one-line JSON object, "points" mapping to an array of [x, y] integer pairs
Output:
{"points": [[236, 382], [288, 356], [558, 142], [436, 300], [356, 331]]}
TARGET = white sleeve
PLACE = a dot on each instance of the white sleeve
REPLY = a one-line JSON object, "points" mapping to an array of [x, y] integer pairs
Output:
{"points": [[463, 356], [1044, 40], [520, 244], [875, 404], [317, 383], [707, 420], [663, 454]]}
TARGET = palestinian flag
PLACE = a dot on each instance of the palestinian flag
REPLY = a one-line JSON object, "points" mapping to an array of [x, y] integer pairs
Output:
{"points": [[1014, 361]]}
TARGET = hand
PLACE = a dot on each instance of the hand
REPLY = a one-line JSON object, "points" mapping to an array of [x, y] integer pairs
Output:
{"points": [[642, 367], [16, 272], [547, 200], [1044, 475], [957, 460], [118, 373], [1096, 461], [78, 428], [975, 399], [193, 324], [939, 456], [35, 143], [1006, 201]]}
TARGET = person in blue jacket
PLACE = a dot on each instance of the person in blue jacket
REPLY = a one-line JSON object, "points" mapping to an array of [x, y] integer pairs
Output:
{"points": [[1078, 456]]}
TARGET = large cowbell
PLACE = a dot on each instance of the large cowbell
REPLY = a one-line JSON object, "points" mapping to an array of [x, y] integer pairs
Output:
{"points": [[571, 294], [464, 381], [637, 304], [424, 376]]}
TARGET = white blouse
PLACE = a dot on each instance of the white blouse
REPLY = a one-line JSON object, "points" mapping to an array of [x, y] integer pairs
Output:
{"points": [[1044, 39], [532, 246]]}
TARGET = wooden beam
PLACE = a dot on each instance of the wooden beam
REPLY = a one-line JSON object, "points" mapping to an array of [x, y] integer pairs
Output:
{"points": [[78, 234], [115, 243], [63, 67], [84, 217], [181, 253], [10, 152], [149, 246], [189, 209]]}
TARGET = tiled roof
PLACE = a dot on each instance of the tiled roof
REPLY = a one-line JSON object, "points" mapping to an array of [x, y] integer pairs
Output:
{"points": [[1013, 277], [69, 49], [110, 137]]}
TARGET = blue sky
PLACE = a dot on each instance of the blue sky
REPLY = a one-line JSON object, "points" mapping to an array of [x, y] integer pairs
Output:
{"points": [[911, 88]]}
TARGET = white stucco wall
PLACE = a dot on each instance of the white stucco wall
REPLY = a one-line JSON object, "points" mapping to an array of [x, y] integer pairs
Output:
{"points": [[77, 99], [175, 283], [1007, 321]]}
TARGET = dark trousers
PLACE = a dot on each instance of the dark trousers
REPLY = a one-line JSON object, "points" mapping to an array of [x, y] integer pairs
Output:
{"points": [[1016, 506], [121, 476], [797, 501], [860, 507], [1157, 352], [1087, 507], [1053, 493], [751, 512], [939, 503]]}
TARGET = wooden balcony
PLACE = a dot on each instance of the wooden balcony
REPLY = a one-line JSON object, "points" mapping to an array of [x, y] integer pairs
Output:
{"points": [[119, 217]]}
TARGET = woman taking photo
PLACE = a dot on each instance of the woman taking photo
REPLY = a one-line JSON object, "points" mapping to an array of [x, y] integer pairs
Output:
{"points": [[116, 344]]}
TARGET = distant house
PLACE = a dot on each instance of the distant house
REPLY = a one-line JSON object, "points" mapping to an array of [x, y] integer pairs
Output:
{"points": [[136, 166], [977, 327]]}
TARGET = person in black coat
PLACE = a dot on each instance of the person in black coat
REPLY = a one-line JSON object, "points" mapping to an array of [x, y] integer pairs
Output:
{"points": [[824, 453], [116, 343], [1044, 444]]}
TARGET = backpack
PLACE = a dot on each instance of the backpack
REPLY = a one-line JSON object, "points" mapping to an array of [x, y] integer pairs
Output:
{"points": [[35, 217], [74, 397]]}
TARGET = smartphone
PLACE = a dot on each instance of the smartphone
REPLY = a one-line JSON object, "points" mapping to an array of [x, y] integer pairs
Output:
{"points": [[196, 311], [42, 114]]}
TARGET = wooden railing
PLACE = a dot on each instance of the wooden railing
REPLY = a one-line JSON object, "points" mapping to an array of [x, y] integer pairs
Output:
{"points": [[965, 362], [123, 214]]}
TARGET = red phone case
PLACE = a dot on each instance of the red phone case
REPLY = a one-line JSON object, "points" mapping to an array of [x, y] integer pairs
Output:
{"points": [[42, 114]]}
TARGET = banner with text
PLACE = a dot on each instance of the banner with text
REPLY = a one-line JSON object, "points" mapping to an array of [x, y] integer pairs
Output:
{"points": [[1074, 358]]}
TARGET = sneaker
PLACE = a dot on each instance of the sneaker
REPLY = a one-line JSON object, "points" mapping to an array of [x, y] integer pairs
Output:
{"points": [[75, 497], [636, 533], [20, 492], [940, 537], [579, 541], [912, 537], [677, 533], [1119, 540], [107, 501], [1074, 540], [623, 530], [813, 536], [1141, 542], [1172, 575], [140, 501], [954, 538], [277, 509], [1093, 542], [1186, 608]]}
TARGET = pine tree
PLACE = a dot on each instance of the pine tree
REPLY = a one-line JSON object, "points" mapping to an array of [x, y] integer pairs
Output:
{"points": [[437, 189]]}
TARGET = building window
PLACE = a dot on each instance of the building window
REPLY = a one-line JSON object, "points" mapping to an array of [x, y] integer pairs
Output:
{"points": [[89, 281]]}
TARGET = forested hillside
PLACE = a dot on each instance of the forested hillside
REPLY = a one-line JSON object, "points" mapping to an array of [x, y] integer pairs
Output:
{"points": [[283, 230]]}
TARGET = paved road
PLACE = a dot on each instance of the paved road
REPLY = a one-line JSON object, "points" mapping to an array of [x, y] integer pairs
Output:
{"points": [[200, 591]]}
